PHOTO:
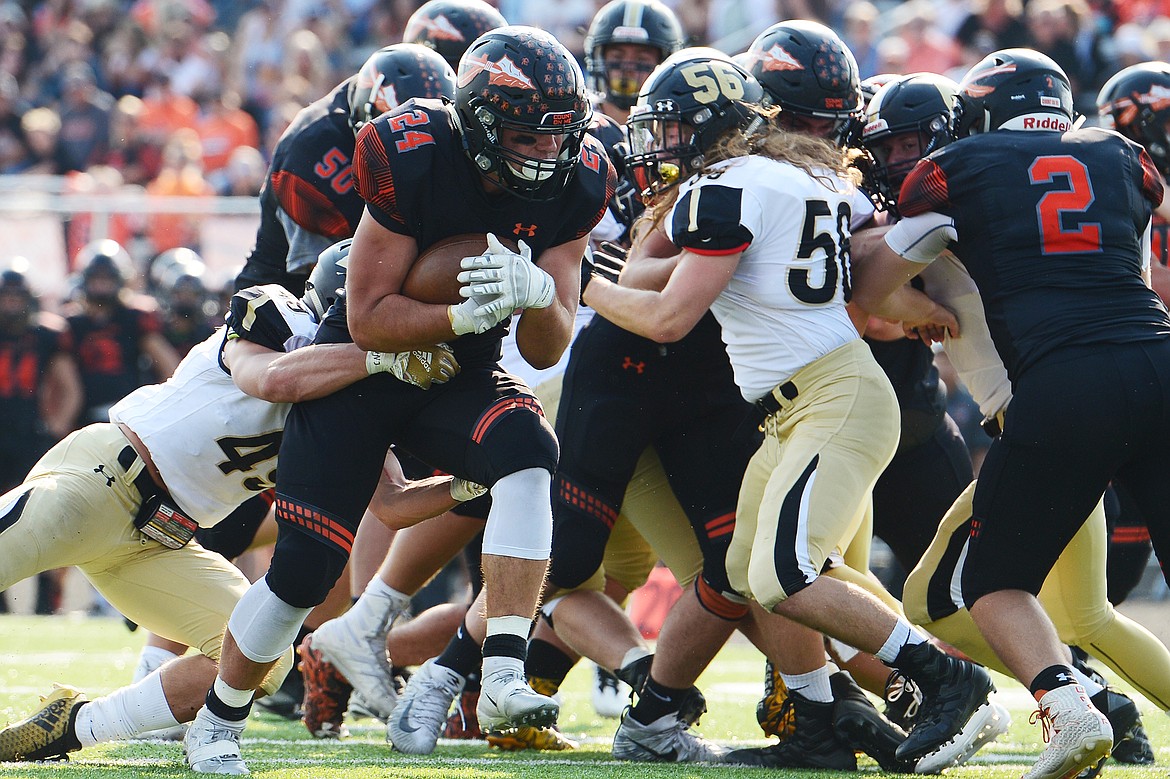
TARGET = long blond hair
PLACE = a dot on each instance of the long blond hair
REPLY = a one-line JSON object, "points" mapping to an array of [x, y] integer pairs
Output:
{"points": [[815, 156]]}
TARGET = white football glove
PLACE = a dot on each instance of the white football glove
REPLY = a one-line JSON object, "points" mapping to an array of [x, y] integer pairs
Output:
{"points": [[476, 314], [463, 490], [510, 276], [421, 367]]}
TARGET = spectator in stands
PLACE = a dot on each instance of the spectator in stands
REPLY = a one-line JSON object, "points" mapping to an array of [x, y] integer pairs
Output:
{"points": [[181, 174], [137, 154], [85, 120], [244, 174], [861, 36], [928, 49], [164, 111], [15, 153], [223, 127], [41, 128], [1060, 29], [992, 25]]}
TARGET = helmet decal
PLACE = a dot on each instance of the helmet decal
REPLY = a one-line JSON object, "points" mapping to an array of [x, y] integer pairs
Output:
{"points": [[440, 27], [777, 58], [503, 72]]}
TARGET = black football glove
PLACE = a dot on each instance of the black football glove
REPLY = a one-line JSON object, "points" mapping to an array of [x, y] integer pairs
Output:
{"points": [[606, 261]]}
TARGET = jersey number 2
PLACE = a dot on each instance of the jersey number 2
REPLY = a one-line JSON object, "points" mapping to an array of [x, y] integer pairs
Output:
{"points": [[833, 243], [1055, 204]]}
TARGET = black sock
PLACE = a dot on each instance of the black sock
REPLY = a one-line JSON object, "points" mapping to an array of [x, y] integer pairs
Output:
{"points": [[223, 711], [656, 701], [546, 661], [462, 655], [1050, 678], [506, 645]]}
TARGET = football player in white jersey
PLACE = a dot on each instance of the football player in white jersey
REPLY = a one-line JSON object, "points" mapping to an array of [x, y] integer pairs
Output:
{"points": [[121, 500], [763, 224]]}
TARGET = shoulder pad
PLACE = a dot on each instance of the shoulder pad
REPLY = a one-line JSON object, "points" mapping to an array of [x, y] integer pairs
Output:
{"points": [[268, 315]]}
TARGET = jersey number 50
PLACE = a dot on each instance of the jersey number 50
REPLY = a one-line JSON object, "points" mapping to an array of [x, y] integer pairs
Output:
{"points": [[833, 243]]}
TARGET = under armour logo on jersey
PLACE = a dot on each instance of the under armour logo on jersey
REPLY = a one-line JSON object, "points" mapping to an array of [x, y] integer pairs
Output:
{"points": [[628, 363], [529, 230], [101, 469]]}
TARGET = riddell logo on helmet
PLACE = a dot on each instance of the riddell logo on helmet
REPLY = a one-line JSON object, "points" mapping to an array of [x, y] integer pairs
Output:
{"points": [[1046, 123], [777, 58], [502, 73]]}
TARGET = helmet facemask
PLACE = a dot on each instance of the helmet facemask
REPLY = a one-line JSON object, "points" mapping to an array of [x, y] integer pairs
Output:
{"points": [[664, 149]]}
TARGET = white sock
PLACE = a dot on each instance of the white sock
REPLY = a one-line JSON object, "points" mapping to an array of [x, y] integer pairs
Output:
{"points": [[903, 634], [376, 608], [843, 651], [510, 625], [150, 658], [125, 713], [637, 653], [813, 685], [1086, 681]]}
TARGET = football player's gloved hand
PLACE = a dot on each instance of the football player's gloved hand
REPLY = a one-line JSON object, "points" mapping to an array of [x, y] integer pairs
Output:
{"points": [[463, 490], [606, 261], [476, 315], [421, 367], [511, 276]]}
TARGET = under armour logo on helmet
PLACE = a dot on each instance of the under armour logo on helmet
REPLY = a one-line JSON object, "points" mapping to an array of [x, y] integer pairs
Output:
{"points": [[664, 106]]}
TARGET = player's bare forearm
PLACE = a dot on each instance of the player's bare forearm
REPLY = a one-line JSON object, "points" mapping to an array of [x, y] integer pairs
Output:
{"points": [[292, 377], [400, 505], [543, 334], [396, 323], [647, 313]]}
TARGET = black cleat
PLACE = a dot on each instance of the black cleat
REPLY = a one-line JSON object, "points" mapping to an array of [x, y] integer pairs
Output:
{"points": [[861, 727], [813, 743], [953, 690]]}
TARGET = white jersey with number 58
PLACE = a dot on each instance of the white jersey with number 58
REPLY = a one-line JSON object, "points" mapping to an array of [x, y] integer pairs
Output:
{"points": [[785, 305], [214, 445]]}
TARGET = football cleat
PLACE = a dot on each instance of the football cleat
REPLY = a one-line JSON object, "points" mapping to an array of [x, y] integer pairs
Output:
{"points": [[1078, 736], [665, 740], [811, 744], [953, 690], [774, 717], [989, 722], [903, 700], [326, 693], [48, 733], [213, 748], [546, 739], [463, 724], [1131, 745], [418, 719], [861, 726], [610, 694], [506, 700], [361, 660]]}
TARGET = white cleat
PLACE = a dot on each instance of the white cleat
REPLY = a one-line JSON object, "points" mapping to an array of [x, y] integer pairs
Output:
{"points": [[506, 701], [362, 659], [989, 722], [665, 740], [1078, 735], [212, 748], [610, 694], [418, 719]]}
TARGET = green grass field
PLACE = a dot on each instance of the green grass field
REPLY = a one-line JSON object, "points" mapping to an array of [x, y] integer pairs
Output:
{"points": [[98, 655]]}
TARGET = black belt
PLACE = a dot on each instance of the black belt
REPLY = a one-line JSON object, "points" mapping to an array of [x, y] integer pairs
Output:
{"points": [[769, 405], [143, 482]]}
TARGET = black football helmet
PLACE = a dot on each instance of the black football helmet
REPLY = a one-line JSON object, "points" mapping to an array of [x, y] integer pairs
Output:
{"points": [[922, 103], [169, 266], [1013, 84], [522, 79], [690, 101], [106, 256], [1136, 103], [14, 282], [640, 22], [327, 280], [393, 75], [449, 26], [806, 69]]}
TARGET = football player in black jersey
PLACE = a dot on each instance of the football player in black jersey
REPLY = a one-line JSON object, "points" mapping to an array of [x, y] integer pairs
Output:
{"points": [[309, 200], [508, 158], [450, 26], [1049, 222]]}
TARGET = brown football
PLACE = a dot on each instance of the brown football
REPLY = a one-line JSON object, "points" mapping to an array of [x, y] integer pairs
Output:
{"points": [[434, 276]]}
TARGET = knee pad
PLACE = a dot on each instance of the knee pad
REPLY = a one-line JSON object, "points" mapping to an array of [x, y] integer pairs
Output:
{"points": [[304, 568], [579, 537], [520, 521]]}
